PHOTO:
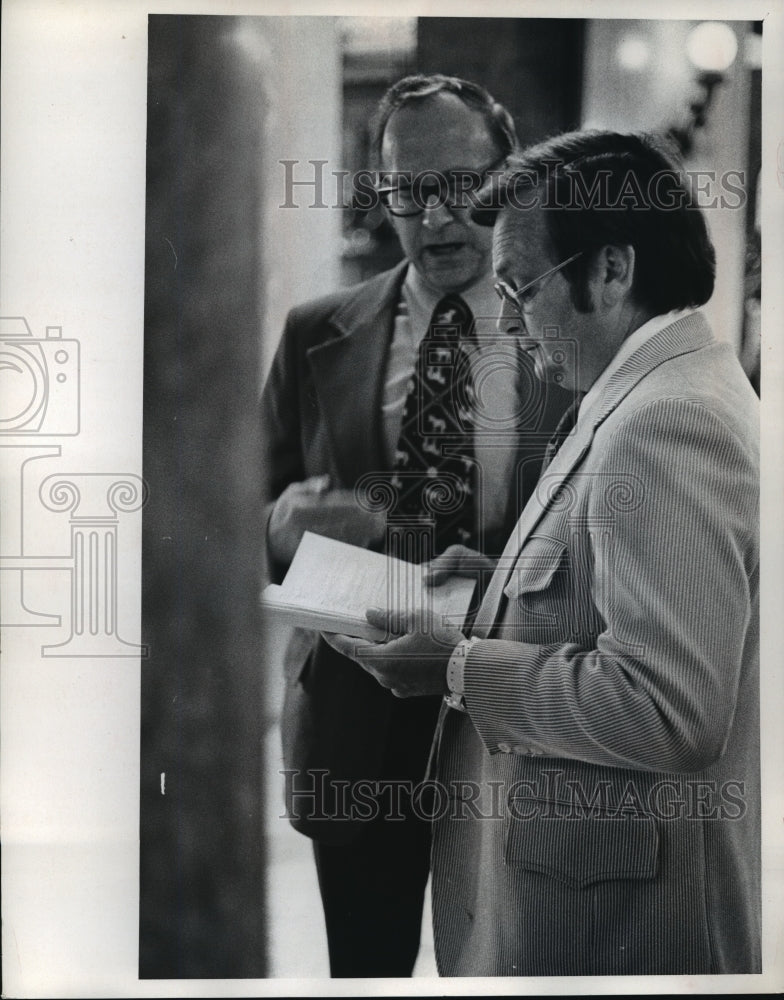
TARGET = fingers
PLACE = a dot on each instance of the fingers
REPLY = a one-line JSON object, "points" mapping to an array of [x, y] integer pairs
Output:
{"points": [[354, 648], [314, 486], [457, 560], [434, 576], [392, 622], [292, 515], [347, 645], [317, 484], [341, 643], [410, 665], [451, 562]]}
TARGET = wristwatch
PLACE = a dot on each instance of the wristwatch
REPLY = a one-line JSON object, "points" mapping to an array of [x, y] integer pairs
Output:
{"points": [[454, 674]]}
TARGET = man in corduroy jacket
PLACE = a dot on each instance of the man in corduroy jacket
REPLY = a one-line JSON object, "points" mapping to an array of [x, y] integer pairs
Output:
{"points": [[596, 806]]}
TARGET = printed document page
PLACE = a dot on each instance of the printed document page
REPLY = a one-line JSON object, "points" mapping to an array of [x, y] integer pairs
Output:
{"points": [[330, 585]]}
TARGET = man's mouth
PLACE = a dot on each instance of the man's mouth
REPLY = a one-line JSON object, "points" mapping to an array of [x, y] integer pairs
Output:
{"points": [[443, 249]]}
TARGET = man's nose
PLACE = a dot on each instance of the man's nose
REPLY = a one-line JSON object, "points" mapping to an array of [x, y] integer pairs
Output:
{"points": [[509, 320], [436, 213]]}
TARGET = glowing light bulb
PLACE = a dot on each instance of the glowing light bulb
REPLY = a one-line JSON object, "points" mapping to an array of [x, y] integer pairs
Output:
{"points": [[712, 46], [633, 52]]}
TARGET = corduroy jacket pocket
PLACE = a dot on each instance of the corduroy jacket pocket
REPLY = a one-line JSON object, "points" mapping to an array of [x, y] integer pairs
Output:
{"points": [[537, 564], [580, 850]]}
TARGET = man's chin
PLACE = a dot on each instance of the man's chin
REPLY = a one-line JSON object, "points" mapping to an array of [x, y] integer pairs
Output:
{"points": [[450, 273]]}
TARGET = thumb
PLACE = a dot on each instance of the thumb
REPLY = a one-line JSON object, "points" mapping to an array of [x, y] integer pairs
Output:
{"points": [[393, 622], [435, 575], [449, 563], [319, 484]]}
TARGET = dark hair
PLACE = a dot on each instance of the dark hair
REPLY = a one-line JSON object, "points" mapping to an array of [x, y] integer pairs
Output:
{"points": [[601, 188], [500, 124]]}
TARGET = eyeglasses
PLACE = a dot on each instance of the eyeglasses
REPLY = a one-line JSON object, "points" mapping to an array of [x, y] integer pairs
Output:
{"points": [[519, 298], [452, 188]]}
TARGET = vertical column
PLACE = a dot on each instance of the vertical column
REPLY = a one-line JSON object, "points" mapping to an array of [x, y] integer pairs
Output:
{"points": [[95, 501], [14, 560], [94, 581], [213, 83], [409, 540]]}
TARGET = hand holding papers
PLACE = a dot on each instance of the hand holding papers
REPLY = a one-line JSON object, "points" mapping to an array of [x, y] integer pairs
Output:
{"points": [[314, 505], [410, 664], [330, 585]]}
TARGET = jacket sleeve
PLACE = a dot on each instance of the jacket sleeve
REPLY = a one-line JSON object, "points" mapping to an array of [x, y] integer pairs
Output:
{"points": [[673, 584], [282, 456]]}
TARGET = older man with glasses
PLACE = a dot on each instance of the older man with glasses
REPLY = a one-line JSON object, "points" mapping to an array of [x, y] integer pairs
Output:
{"points": [[395, 383]]}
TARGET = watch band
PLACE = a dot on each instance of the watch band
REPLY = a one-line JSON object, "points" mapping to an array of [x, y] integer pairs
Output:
{"points": [[455, 672]]}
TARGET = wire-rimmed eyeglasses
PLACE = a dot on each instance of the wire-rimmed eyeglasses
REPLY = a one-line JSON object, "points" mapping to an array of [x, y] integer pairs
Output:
{"points": [[519, 298]]}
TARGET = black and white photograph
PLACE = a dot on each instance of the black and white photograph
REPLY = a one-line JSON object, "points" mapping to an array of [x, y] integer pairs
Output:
{"points": [[391, 499]]}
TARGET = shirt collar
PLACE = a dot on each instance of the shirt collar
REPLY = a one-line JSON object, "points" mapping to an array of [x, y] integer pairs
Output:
{"points": [[421, 301], [633, 342]]}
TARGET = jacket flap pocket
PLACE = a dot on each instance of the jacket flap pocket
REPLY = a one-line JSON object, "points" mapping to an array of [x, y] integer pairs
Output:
{"points": [[582, 850], [536, 565]]}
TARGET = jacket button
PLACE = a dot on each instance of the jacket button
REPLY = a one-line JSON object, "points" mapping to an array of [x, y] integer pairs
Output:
{"points": [[504, 748]]}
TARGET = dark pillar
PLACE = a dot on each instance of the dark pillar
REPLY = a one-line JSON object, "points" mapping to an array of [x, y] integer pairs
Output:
{"points": [[202, 857]]}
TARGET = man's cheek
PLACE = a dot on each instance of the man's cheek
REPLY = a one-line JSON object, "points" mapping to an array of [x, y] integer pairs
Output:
{"points": [[481, 238]]}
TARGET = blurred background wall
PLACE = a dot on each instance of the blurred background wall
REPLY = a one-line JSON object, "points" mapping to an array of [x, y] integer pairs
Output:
{"points": [[227, 888], [652, 75]]}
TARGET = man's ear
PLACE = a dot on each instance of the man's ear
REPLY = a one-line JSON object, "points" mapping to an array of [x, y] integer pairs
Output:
{"points": [[616, 270]]}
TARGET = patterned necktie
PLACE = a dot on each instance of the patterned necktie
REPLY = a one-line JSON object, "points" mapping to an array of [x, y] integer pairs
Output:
{"points": [[434, 473], [563, 429]]}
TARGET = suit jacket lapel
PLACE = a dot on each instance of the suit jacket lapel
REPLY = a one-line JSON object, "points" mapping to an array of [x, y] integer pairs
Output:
{"points": [[686, 335], [348, 373]]}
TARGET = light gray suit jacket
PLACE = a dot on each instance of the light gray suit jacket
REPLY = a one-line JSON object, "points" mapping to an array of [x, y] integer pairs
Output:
{"points": [[601, 790]]}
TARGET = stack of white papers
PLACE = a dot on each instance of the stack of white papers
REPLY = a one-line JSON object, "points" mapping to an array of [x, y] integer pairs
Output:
{"points": [[330, 585]]}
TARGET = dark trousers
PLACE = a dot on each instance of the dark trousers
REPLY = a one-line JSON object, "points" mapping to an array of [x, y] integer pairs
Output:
{"points": [[373, 889]]}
